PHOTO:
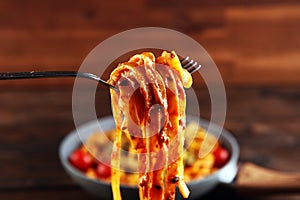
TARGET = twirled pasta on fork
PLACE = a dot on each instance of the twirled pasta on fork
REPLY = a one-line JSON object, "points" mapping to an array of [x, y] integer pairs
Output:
{"points": [[149, 107]]}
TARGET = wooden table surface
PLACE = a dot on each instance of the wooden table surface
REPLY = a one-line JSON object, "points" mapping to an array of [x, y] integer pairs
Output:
{"points": [[33, 121]]}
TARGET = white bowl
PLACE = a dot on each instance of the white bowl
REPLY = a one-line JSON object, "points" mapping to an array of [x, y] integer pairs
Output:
{"points": [[103, 189]]}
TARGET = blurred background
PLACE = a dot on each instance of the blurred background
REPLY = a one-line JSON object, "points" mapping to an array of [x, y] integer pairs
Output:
{"points": [[255, 44]]}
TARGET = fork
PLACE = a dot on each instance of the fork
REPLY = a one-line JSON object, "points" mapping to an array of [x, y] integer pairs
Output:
{"points": [[190, 65]]}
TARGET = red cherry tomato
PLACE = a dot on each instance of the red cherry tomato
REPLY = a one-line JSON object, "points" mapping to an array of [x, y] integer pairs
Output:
{"points": [[221, 156], [81, 160], [103, 171]]}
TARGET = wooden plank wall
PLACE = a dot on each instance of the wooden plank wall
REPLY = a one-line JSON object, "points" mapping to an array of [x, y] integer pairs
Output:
{"points": [[253, 42]]}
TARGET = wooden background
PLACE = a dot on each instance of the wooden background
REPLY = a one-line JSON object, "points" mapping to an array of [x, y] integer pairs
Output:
{"points": [[255, 44]]}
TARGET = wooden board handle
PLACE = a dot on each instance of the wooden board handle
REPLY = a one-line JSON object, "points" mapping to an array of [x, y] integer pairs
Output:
{"points": [[253, 178]]}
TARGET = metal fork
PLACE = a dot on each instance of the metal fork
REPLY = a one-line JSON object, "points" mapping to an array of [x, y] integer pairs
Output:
{"points": [[190, 65]]}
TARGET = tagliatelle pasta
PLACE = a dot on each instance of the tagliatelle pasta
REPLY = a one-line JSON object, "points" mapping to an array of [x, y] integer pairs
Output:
{"points": [[195, 167], [149, 109]]}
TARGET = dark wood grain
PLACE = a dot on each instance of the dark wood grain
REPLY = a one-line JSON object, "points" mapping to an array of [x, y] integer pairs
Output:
{"points": [[33, 121], [252, 42]]}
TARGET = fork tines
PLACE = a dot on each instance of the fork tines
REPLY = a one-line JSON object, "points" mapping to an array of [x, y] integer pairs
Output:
{"points": [[190, 65]]}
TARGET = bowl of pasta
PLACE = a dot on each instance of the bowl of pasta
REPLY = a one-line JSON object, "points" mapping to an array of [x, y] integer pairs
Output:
{"points": [[85, 153], [150, 149]]}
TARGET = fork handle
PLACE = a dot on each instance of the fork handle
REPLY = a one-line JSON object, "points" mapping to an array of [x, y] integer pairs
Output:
{"points": [[52, 74], [33, 74]]}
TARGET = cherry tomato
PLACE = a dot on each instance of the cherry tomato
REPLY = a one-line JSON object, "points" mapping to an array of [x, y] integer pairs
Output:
{"points": [[103, 171], [81, 160], [221, 156]]}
